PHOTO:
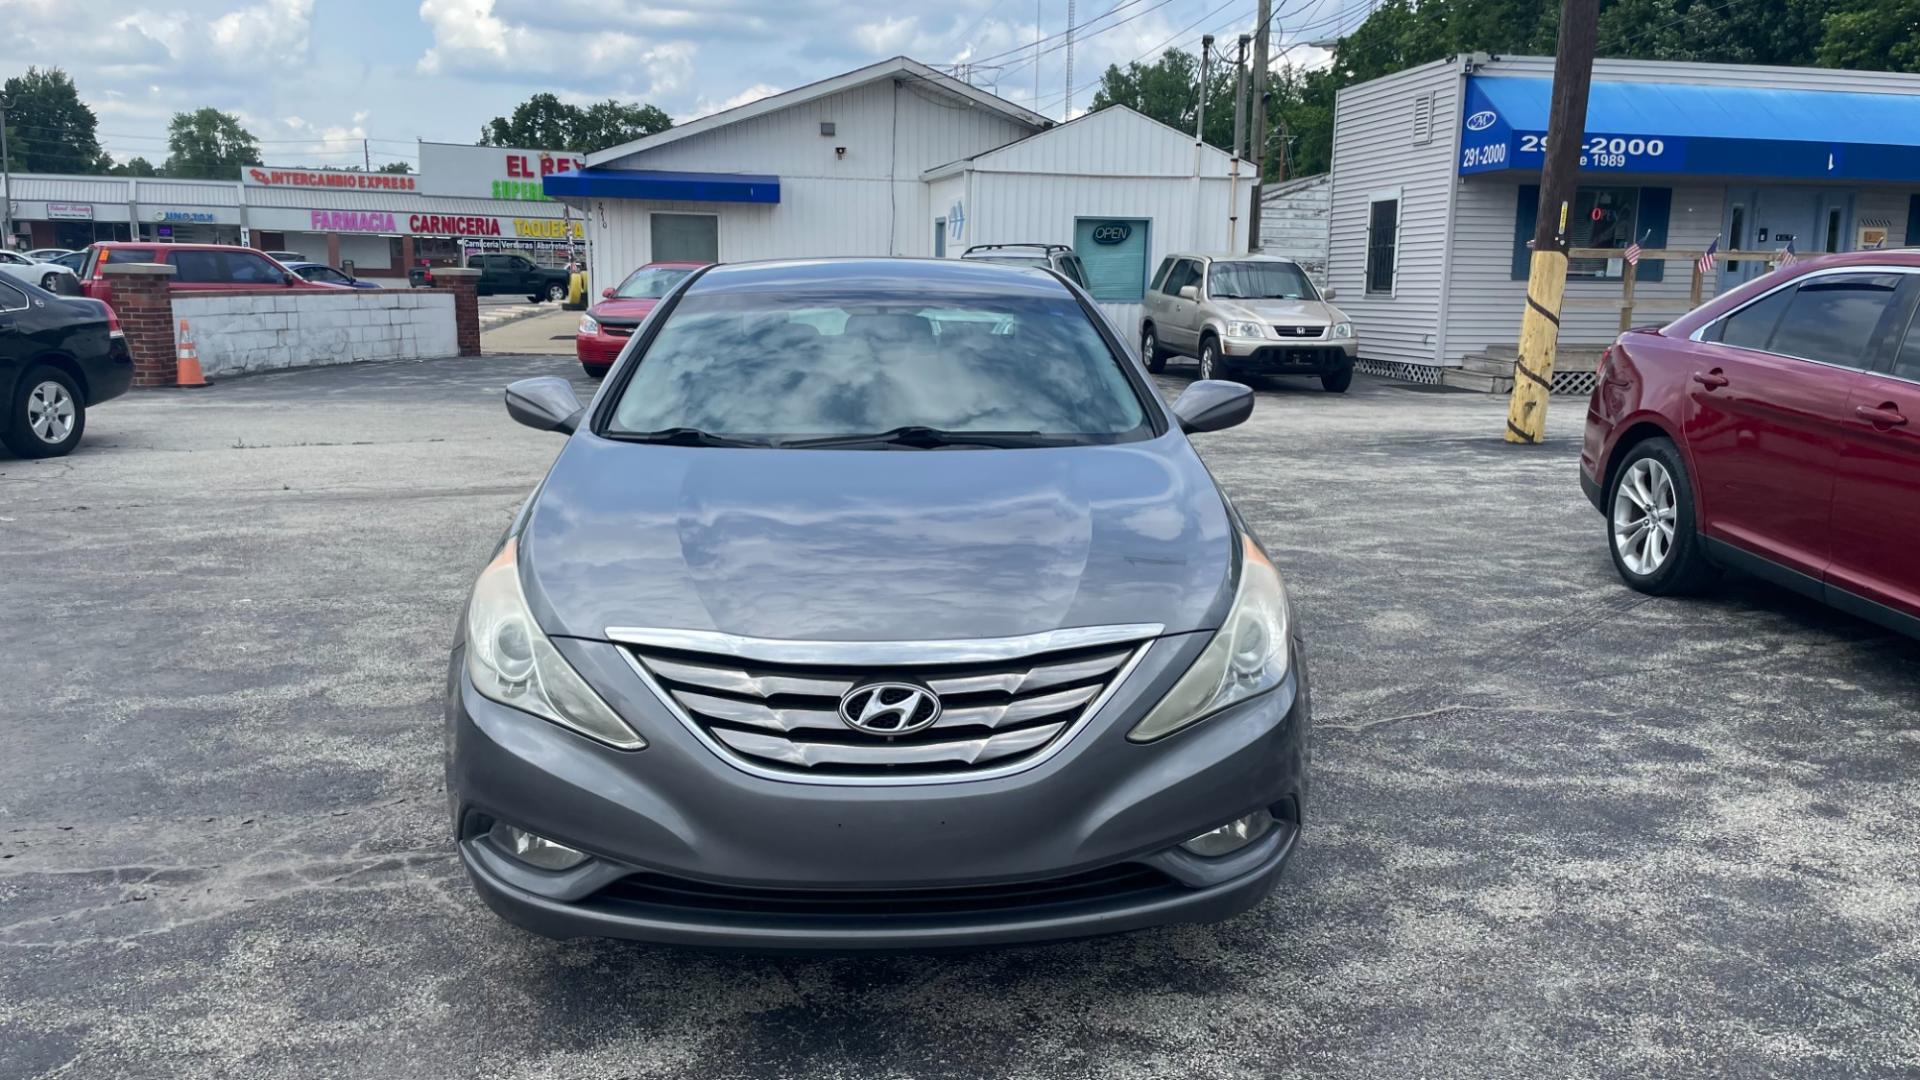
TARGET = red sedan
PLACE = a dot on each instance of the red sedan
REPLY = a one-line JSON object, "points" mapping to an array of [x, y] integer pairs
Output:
{"points": [[608, 325], [1775, 430]]}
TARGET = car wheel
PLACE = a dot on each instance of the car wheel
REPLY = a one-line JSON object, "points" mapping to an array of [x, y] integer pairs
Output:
{"points": [[1209, 358], [1650, 526], [534, 298], [50, 283], [596, 372], [556, 292], [46, 416], [1336, 382], [1151, 352]]}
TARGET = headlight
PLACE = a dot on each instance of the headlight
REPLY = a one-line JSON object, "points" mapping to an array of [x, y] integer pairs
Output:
{"points": [[513, 663], [1247, 656], [588, 325], [1246, 329], [1343, 329]]}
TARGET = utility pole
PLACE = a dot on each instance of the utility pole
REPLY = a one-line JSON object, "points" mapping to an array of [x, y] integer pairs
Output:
{"points": [[6, 180], [1262, 35], [1066, 111], [366, 155], [1547, 277], [1200, 112], [1240, 97], [1038, 11]]}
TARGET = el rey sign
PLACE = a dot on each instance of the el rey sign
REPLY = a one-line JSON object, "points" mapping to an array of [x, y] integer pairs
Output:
{"points": [[492, 172]]}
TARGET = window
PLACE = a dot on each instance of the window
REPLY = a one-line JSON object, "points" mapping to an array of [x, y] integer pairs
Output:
{"points": [[1833, 318], [245, 269], [651, 283], [1752, 326], [1160, 275], [1906, 363], [1075, 270], [1185, 272], [1113, 253], [800, 362], [939, 238], [196, 267], [1383, 228], [1258, 281], [11, 299], [515, 263], [1833, 230], [691, 238], [1737, 234], [1602, 218]]}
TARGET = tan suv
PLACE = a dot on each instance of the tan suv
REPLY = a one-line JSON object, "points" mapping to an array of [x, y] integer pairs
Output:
{"points": [[1256, 314]]}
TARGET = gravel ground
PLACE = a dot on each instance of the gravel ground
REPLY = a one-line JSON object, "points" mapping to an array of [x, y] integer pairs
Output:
{"points": [[1556, 829]]}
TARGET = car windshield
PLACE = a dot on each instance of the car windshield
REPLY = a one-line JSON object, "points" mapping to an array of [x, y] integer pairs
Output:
{"points": [[1024, 369], [651, 283], [1258, 281]]}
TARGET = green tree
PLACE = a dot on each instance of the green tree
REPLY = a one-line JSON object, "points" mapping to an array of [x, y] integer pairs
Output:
{"points": [[544, 122], [138, 166], [1164, 90], [207, 144], [49, 129], [395, 167], [1880, 35]]}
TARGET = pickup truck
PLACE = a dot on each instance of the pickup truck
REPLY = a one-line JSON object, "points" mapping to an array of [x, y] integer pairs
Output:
{"points": [[505, 275]]}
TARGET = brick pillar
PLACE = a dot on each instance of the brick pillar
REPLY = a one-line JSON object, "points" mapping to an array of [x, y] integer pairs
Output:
{"points": [[333, 249], [465, 286], [144, 304]]}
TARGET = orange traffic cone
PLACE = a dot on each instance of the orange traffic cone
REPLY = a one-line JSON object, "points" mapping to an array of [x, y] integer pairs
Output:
{"points": [[187, 371]]}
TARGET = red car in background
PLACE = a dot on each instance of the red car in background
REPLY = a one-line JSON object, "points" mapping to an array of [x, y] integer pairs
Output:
{"points": [[196, 268], [1775, 430], [608, 325]]}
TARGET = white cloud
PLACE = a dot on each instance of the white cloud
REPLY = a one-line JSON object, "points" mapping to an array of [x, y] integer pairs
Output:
{"points": [[745, 97], [887, 35], [471, 40]]}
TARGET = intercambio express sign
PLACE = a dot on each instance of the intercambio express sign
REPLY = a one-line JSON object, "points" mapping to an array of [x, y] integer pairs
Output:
{"points": [[327, 178]]}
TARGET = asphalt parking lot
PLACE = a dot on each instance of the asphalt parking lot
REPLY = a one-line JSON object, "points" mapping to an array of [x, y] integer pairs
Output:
{"points": [[1556, 829]]}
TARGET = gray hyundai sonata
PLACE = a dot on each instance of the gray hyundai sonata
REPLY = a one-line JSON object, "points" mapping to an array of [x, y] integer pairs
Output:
{"points": [[875, 603]]}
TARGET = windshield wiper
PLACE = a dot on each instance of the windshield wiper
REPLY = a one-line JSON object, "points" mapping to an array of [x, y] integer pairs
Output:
{"points": [[921, 437], [682, 436]]}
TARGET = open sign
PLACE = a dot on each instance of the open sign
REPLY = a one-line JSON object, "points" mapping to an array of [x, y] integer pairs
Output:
{"points": [[1112, 232]]}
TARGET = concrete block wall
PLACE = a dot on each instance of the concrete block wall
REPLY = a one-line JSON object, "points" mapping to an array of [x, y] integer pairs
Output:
{"points": [[240, 332]]}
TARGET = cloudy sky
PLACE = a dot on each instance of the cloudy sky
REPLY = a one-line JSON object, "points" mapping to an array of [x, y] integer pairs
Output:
{"points": [[311, 78]]}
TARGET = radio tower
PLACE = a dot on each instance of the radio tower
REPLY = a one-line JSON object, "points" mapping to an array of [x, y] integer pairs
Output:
{"points": [[1066, 111]]}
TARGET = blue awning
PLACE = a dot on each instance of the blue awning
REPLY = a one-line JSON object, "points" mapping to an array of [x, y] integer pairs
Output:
{"points": [[1699, 130], [658, 184]]}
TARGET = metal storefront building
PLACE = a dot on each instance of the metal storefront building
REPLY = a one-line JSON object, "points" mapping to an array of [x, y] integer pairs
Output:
{"points": [[1435, 190]]}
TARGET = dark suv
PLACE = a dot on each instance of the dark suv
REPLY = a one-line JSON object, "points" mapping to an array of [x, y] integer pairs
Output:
{"points": [[876, 603], [1056, 257], [506, 275]]}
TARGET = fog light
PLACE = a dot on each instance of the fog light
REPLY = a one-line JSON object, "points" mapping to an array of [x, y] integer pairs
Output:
{"points": [[535, 850], [1232, 836]]}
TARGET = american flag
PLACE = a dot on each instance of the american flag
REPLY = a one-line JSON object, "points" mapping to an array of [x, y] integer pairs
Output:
{"points": [[1787, 256], [1706, 259], [1633, 253]]}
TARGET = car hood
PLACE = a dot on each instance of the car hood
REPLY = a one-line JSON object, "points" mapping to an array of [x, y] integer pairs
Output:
{"points": [[1284, 312], [623, 308], [875, 545]]}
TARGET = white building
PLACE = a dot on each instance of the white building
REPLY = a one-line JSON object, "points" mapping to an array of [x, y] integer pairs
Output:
{"points": [[1435, 191], [899, 159]]}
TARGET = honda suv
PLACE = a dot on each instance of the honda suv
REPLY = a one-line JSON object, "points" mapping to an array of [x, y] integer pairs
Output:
{"points": [[875, 603], [1246, 313]]}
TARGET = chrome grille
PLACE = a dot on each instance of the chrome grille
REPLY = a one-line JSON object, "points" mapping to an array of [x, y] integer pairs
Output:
{"points": [[1300, 331], [782, 716]]}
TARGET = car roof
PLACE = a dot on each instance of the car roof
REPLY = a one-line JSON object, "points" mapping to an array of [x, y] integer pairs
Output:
{"points": [[174, 247], [1231, 256], [878, 274], [672, 266]]}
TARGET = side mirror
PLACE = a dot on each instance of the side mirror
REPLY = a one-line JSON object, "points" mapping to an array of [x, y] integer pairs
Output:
{"points": [[1189, 292], [607, 292], [547, 404], [1329, 294], [1208, 405]]}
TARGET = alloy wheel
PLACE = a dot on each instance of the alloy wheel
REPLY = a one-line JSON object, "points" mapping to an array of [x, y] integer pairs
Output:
{"points": [[1209, 364], [1645, 516], [50, 412], [1148, 345]]}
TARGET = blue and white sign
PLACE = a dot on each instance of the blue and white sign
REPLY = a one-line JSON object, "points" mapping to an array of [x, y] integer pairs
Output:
{"points": [[189, 217], [1701, 130], [957, 221]]}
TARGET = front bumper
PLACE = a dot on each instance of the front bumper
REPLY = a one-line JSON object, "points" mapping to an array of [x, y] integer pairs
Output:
{"points": [[599, 350], [1307, 357], [686, 849]]}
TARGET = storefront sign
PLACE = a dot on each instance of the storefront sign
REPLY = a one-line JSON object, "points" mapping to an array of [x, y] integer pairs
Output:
{"points": [[328, 178], [491, 172], [547, 229], [187, 217], [352, 221], [65, 211], [439, 225], [1112, 232]]}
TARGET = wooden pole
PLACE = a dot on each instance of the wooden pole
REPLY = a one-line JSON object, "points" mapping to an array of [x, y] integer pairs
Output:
{"points": [[1626, 297], [1547, 277], [1262, 35]]}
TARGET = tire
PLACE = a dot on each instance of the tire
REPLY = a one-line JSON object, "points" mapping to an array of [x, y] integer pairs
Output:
{"points": [[535, 298], [596, 372], [51, 283], [1210, 366], [1666, 559], [556, 292], [1336, 382], [1151, 352], [46, 416]]}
